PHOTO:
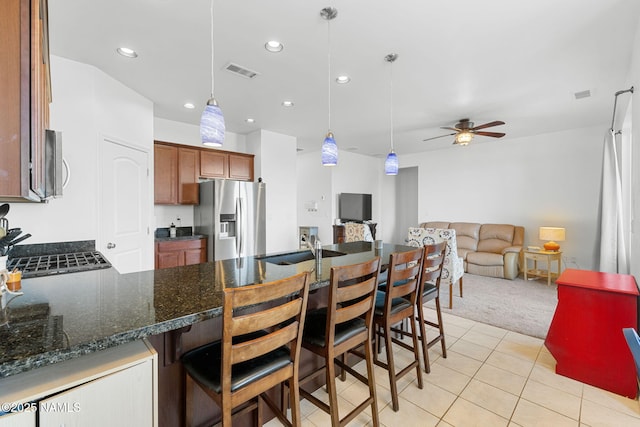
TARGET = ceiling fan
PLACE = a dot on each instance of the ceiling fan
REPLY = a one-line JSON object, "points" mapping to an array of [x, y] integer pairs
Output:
{"points": [[465, 131]]}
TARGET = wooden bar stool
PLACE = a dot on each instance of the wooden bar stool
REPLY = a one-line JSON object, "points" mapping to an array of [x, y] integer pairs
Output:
{"points": [[260, 349], [344, 325], [432, 263], [393, 305]]}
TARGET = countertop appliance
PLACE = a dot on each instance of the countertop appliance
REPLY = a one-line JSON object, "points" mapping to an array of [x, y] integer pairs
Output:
{"points": [[232, 215]]}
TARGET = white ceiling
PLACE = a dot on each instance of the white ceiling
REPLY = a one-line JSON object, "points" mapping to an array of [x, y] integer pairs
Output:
{"points": [[515, 61]]}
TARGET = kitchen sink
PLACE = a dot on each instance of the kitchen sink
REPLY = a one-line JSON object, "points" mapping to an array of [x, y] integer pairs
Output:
{"points": [[296, 257]]}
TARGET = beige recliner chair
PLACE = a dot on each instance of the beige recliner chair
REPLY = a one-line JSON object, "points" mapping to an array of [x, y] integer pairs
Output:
{"points": [[498, 252], [487, 249]]}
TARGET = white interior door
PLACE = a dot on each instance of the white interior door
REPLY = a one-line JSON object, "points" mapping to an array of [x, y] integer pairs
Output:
{"points": [[124, 207]]}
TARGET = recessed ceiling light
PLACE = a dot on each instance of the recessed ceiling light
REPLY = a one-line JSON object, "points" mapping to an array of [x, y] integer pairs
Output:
{"points": [[189, 105], [249, 120], [343, 79], [125, 51], [287, 103], [273, 46]]}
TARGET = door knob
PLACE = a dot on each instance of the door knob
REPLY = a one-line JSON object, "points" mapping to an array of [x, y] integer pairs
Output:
{"points": [[111, 245]]}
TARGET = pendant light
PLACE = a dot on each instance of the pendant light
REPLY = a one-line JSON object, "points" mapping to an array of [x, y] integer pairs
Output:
{"points": [[391, 163], [212, 121], [329, 146]]}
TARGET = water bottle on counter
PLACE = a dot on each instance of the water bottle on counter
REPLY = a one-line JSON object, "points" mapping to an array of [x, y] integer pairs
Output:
{"points": [[172, 230]]}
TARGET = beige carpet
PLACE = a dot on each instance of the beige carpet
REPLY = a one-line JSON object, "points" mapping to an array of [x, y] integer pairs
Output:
{"points": [[517, 305]]}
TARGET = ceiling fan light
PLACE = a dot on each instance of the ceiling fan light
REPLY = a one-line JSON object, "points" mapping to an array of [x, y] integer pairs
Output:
{"points": [[464, 138], [212, 126], [391, 164], [329, 151]]}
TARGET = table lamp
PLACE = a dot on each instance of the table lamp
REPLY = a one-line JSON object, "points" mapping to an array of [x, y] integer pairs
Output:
{"points": [[552, 234]]}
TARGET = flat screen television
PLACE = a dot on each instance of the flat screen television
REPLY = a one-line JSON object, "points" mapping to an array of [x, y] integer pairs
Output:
{"points": [[354, 207]]}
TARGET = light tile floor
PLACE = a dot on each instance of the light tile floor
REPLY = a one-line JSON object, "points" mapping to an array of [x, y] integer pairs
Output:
{"points": [[491, 377]]}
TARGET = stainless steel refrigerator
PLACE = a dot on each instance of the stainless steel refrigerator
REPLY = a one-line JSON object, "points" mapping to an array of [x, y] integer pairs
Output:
{"points": [[232, 215]]}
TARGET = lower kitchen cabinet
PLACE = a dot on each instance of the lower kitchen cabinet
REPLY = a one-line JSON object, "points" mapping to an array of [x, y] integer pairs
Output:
{"points": [[119, 399], [112, 387], [19, 419], [180, 252]]}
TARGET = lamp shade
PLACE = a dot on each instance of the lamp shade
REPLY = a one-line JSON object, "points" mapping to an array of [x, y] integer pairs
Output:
{"points": [[391, 164], [552, 234], [329, 151], [212, 125]]}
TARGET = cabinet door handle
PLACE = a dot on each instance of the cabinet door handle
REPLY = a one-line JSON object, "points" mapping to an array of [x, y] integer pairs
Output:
{"points": [[111, 245]]}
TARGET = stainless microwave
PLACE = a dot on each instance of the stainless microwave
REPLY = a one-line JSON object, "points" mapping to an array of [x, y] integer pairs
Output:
{"points": [[53, 164]]}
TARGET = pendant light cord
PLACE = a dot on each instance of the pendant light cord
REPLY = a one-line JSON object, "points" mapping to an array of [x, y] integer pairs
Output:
{"points": [[212, 50], [329, 66], [391, 104]]}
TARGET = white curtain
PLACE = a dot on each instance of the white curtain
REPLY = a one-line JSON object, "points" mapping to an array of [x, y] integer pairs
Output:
{"points": [[613, 252]]}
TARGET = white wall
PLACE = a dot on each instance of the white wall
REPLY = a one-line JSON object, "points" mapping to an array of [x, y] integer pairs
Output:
{"points": [[544, 180], [87, 104], [275, 159], [188, 134], [354, 173], [315, 197]]}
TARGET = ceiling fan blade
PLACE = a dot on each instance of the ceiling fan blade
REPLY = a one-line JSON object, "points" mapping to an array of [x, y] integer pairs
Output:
{"points": [[488, 125], [491, 134], [436, 137], [450, 128]]}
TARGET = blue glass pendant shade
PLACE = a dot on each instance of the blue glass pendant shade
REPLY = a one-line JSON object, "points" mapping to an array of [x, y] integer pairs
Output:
{"points": [[329, 151], [212, 125], [391, 164]]}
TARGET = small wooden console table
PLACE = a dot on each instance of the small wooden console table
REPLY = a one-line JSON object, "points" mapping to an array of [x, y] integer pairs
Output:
{"points": [[547, 256]]}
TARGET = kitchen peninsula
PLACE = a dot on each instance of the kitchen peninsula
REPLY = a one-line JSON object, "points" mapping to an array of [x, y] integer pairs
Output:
{"points": [[175, 309]]}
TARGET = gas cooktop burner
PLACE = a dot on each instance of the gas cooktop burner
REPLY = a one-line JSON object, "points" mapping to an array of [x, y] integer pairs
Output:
{"points": [[45, 265]]}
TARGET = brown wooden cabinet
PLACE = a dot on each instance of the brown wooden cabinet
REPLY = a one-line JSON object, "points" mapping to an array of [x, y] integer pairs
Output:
{"points": [[338, 233], [241, 166], [180, 252], [220, 164], [176, 175], [188, 171], [25, 95], [214, 164], [178, 169], [166, 174]]}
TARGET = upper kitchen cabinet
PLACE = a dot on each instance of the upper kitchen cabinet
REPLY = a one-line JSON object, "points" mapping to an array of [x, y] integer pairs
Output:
{"points": [[241, 166], [25, 95], [188, 170], [176, 175], [214, 164], [166, 174], [178, 169], [222, 164]]}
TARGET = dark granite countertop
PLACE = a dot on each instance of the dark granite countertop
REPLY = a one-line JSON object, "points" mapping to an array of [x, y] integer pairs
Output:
{"points": [[65, 316], [178, 238]]}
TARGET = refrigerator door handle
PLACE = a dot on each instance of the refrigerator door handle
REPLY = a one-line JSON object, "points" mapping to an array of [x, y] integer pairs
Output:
{"points": [[240, 228]]}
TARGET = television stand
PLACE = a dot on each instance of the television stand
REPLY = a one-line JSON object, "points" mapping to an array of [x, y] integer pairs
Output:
{"points": [[339, 232]]}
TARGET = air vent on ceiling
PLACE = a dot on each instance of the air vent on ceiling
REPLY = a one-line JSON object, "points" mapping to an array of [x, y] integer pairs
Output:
{"points": [[241, 71], [582, 94]]}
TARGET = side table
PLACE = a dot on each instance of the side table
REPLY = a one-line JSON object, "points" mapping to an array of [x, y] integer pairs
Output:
{"points": [[549, 257]]}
